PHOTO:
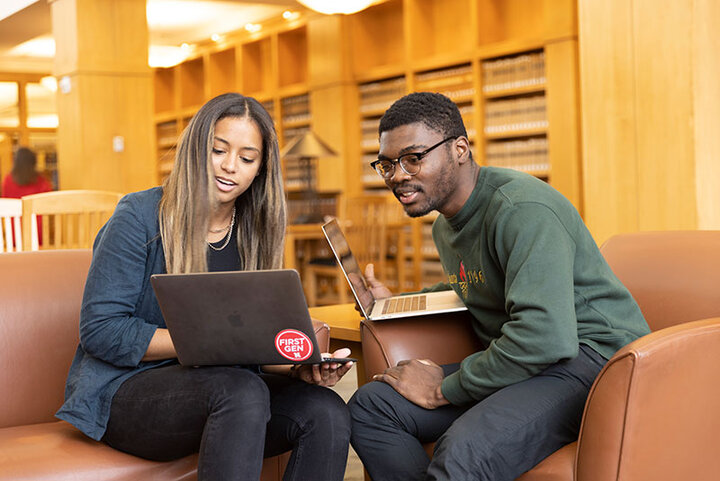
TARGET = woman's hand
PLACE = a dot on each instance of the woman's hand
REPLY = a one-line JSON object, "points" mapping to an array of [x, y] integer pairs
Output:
{"points": [[324, 374]]}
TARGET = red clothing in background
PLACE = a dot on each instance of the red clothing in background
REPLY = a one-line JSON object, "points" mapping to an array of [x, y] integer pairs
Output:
{"points": [[11, 189], [14, 191]]}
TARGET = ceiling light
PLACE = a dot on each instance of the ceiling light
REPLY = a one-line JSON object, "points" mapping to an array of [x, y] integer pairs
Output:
{"points": [[43, 46], [290, 15], [215, 37], [330, 7], [166, 56], [253, 27], [49, 82]]}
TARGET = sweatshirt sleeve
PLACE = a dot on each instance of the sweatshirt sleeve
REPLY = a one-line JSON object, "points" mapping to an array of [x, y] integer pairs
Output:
{"points": [[536, 253], [116, 282]]}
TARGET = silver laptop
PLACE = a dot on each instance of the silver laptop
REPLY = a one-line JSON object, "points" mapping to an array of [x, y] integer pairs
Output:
{"points": [[238, 317], [391, 307]]}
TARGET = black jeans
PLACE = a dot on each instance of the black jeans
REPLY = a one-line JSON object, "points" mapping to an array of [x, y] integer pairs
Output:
{"points": [[497, 439], [233, 417]]}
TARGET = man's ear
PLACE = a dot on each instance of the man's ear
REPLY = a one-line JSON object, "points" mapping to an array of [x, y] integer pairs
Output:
{"points": [[462, 149]]}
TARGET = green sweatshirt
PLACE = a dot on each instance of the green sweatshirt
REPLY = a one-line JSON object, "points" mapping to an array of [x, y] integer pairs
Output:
{"points": [[521, 258]]}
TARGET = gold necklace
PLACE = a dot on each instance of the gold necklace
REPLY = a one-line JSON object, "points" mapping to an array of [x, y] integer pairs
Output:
{"points": [[227, 236]]}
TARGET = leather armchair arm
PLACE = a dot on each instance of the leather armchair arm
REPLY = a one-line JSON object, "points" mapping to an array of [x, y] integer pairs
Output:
{"points": [[322, 334], [654, 407], [442, 338]]}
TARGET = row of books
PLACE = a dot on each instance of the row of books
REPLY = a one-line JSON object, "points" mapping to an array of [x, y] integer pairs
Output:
{"points": [[295, 109], [369, 133], [375, 96], [270, 107], [454, 82], [515, 114], [529, 155], [296, 174], [369, 176], [290, 133], [325, 206], [513, 72], [166, 133], [434, 79]]}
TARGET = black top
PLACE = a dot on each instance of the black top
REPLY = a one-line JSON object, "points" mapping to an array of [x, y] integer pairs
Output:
{"points": [[227, 259]]}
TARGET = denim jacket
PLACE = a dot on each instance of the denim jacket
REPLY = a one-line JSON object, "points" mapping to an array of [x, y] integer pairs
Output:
{"points": [[119, 313]]}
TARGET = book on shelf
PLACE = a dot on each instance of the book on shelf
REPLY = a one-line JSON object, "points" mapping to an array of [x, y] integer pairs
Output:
{"points": [[296, 109], [269, 105], [512, 72], [528, 155], [455, 83], [517, 113], [379, 95]]}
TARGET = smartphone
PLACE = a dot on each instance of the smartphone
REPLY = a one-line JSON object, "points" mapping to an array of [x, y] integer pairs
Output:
{"points": [[339, 360]]}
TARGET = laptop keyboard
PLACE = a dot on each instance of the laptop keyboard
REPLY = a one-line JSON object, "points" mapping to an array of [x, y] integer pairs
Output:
{"points": [[405, 304]]}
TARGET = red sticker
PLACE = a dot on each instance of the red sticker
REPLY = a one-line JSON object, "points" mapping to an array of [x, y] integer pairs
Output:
{"points": [[293, 345]]}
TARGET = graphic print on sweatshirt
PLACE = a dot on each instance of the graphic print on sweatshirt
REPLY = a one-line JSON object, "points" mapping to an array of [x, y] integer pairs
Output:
{"points": [[466, 277]]}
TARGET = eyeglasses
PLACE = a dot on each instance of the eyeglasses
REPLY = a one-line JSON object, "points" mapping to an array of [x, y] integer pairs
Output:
{"points": [[409, 163]]}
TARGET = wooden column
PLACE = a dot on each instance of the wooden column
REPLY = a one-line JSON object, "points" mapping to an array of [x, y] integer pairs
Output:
{"points": [[105, 133], [650, 107], [332, 96]]}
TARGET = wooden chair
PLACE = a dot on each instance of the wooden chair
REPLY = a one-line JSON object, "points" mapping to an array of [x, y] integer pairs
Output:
{"points": [[363, 219], [10, 230], [70, 218]]}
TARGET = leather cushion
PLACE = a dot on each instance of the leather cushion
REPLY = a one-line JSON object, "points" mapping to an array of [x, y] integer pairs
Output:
{"points": [[58, 451]]}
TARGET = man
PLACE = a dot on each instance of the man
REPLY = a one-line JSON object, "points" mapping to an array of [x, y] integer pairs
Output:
{"points": [[543, 300]]}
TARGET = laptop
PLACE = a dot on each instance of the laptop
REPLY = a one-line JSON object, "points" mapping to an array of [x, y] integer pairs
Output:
{"points": [[239, 317], [391, 307]]}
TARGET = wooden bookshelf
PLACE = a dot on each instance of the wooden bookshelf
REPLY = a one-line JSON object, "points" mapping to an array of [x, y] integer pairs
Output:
{"points": [[510, 66]]}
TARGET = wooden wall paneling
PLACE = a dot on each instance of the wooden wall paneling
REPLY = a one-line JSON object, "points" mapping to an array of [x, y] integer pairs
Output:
{"points": [[221, 72], [328, 123], [110, 95], [563, 111], [560, 19], [192, 83], [609, 170], [706, 65], [478, 117], [292, 57], [329, 53], [333, 101], [511, 20], [665, 151], [439, 33], [378, 37]]}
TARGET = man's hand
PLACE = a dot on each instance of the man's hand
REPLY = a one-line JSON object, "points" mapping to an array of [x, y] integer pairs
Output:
{"points": [[418, 381], [378, 289], [325, 374]]}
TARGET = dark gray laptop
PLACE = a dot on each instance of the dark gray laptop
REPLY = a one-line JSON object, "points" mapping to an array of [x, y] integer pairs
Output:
{"points": [[390, 307], [239, 317]]}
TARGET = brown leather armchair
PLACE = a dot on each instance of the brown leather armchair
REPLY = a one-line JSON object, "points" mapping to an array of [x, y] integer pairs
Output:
{"points": [[40, 295], [652, 413]]}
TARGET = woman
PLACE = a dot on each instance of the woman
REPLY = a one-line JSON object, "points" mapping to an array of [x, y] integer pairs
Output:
{"points": [[221, 208], [24, 179]]}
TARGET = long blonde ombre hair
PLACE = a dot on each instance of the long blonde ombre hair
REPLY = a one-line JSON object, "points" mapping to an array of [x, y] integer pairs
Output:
{"points": [[189, 193]]}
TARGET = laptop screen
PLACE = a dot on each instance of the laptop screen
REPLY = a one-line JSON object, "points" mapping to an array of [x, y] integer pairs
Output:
{"points": [[349, 265]]}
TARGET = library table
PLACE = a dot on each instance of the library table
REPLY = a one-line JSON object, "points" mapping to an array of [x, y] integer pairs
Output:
{"points": [[344, 322], [295, 233]]}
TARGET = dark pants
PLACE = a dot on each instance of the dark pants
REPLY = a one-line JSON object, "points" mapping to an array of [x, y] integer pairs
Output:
{"points": [[233, 417], [497, 439]]}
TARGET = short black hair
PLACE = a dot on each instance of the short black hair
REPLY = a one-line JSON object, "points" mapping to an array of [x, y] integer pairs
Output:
{"points": [[435, 111]]}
